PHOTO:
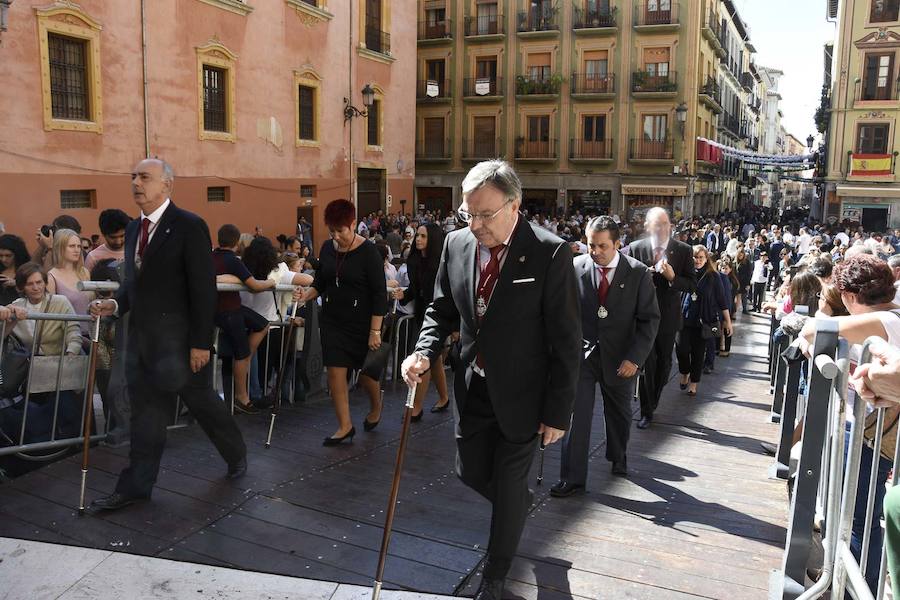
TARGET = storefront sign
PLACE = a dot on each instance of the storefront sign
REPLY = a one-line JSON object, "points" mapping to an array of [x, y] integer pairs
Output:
{"points": [[654, 190], [851, 213]]}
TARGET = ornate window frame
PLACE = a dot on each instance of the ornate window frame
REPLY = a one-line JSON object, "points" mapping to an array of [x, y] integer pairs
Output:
{"points": [[237, 7], [311, 15], [379, 97], [215, 54], [309, 78], [70, 20]]}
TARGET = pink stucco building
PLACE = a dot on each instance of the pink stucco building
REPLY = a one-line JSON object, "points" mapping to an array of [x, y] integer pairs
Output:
{"points": [[245, 98]]}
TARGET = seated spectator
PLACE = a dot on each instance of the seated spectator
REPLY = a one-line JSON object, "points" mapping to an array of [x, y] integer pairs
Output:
{"points": [[46, 338], [68, 269], [242, 327], [112, 225], [13, 254]]}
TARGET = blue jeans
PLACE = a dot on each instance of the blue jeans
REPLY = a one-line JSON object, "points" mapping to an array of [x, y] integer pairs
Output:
{"points": [[859, 511]]}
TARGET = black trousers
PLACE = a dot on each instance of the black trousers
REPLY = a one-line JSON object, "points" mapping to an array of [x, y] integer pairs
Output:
{"points": [[497, 468], [656, 372], [576, 444], [690, 350], [153, 409], [759, 294]]}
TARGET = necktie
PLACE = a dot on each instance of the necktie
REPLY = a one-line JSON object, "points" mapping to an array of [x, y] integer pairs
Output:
{"points": [[486, 282], [658, 255], [145, 236], [603, 287]]}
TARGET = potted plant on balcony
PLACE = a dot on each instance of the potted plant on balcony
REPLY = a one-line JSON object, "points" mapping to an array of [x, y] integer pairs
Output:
{"points": [[638, 79]]}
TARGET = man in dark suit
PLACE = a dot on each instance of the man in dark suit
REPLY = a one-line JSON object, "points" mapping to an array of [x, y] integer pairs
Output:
{"points": [[170, 293], [509, 288], [619, 319], [672, 265]]}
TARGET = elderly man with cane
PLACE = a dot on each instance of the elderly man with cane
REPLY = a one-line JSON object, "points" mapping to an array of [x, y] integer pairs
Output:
{"points": [[510, 288]]}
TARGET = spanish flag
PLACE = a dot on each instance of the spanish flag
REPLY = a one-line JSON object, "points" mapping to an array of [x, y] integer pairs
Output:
{"points": [[870, 164]]}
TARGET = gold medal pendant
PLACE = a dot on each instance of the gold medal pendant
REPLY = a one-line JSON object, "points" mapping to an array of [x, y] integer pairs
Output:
{"points": [[602, 312], [481, 307]]}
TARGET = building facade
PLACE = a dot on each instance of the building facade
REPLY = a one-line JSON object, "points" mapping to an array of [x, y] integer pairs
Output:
{"points": [[245, 98], [598, 102], [863, 137]]}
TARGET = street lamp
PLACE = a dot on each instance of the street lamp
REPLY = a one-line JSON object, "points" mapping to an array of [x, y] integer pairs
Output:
{"points": [[681, 116], [809, 142], [351, 111]]}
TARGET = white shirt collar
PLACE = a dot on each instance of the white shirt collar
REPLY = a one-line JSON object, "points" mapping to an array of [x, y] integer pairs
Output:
{"points": [[612, 264], [157, 214]]}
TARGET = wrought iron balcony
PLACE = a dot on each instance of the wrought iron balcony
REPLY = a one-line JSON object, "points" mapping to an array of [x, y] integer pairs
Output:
{"points": [[435, 30], [647, 82], [433, 149], [483, 87], [648, 149], [432, 89], [536, 150], [654, 13], [377, 40], [484, 25], [594, 19], [593, 83], [538, 20], [590, 149], [481, 149], [547, 84]]}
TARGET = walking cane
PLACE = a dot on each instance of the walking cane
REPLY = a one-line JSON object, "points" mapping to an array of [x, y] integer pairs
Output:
{"points": [[88, 410], [285, 347], [540, 479], [395, 490]]}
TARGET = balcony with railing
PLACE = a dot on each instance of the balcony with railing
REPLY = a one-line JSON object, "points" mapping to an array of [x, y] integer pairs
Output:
{"points": [[656, 15], [730, 124], [538, 150], [435, 31], [482, 88], [711, 95], [481, 149], [377, 40], [868, 91], [433, 90], [536, 86], [538, 21], [746, 129], [645, 149], [591, 150], [712, 31], [595, 20], [593, 85], [647, 84], [485, 25], [433, 149]]}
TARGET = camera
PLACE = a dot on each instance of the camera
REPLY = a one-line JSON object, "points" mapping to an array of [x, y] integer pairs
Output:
{"points": [[47, 230]]}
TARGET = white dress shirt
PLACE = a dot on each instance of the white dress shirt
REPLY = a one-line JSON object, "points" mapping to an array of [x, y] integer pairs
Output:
{"points": [[610, 273], [154, 218]]}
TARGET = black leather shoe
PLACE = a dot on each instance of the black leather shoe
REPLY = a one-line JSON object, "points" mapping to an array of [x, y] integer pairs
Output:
{"points": [[369, 425], [237, 469], [417, 418], [490, 589], [440, 408], [114, 501], [563, 489], [644, 423], [620, 467]]}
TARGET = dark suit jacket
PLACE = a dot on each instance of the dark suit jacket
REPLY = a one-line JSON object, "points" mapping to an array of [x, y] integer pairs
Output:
{"points": [[171, 298], [530, 337], [630, 329], [681, 257]]}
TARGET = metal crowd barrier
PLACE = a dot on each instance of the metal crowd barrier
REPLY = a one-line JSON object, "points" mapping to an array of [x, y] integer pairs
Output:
{"points": [[47, 374], [825, 489]]}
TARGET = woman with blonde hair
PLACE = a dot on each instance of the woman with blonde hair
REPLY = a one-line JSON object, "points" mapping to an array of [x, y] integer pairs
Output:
{"points": [[67, 270]]}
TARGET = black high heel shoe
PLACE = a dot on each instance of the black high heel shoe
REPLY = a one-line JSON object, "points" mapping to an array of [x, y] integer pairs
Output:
{"points": [[369, 426], [335, 441], [440, 408], [418, 417]]}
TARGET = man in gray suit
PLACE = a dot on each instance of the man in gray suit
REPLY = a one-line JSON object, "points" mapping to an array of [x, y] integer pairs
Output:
{"points": [[619, 320]]}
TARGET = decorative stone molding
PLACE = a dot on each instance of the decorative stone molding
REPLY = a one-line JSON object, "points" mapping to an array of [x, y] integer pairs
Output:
{"points": [[215, 54], [238, 7], [308, 14]]}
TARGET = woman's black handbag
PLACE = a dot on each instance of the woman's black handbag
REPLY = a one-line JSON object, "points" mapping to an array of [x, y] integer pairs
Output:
{"points": [[710, 331], [376, 361], [13, 367]]}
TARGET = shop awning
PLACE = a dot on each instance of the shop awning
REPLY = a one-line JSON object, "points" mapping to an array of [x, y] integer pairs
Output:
{"points": [[857, 191], [654, 190]]}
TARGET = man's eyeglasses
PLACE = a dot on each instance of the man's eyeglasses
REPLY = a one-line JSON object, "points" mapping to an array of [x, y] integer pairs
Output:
{"points": [[467, 217]]}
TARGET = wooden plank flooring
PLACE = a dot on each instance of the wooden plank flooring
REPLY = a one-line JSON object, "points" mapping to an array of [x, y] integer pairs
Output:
{"points": [[697, 517]]}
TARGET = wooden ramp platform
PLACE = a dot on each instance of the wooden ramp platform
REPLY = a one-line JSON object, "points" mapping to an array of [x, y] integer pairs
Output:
{"points": [[697, 517]]}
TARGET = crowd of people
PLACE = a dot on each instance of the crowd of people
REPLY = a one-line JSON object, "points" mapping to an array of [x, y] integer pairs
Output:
{"points": [[588, 299]]}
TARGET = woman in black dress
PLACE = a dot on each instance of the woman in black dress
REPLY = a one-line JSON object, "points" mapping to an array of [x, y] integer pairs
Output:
{"points": [[422, 266], [350, 280]]}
